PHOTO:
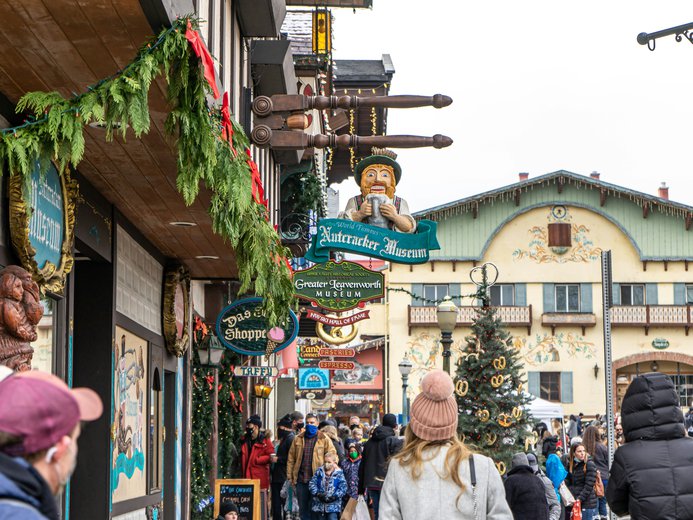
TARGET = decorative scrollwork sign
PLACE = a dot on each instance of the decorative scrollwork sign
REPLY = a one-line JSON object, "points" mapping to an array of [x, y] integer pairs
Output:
{"points": [[176, 309], [42, 223]]}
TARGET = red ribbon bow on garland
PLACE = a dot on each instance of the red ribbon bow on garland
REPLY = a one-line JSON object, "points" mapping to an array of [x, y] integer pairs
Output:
{"points": [[202, 52], [258, 190], [226, 125]]}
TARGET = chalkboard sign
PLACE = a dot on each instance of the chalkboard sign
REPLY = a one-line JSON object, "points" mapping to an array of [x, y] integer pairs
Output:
{"points": [[244, 492]]}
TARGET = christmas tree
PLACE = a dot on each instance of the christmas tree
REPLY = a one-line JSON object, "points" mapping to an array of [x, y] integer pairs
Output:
{"points": [[488, 384]]}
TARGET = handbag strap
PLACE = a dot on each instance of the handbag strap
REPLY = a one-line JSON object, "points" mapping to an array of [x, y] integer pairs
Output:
{"points": [[472, 476]]}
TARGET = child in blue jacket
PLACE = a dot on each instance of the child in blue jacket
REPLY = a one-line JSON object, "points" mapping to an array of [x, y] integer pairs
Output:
{"points": [[328, 486]]}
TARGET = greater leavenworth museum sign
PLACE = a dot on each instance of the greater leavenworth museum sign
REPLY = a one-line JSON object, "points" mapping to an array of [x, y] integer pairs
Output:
{"points": [[243, 328], [355, 237], [339, 286]]}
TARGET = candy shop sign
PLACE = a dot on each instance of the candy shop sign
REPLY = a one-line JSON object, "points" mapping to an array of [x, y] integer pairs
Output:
{"points": [[243, 328]]}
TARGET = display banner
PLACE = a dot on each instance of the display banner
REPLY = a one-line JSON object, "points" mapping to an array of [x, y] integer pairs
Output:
{"points": [[364, 239], [339, 286], [313, 379], [46, 225]]}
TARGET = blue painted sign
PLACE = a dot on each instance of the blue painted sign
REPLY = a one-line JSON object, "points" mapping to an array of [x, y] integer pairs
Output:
{"points": [[47, 221], [335, 234], [313, 379], [242, 327]]}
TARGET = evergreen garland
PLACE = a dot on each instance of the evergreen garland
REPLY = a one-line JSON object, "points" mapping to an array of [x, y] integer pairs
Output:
{"points": [[493, 414], [55, 131], [231, 404], [200, 464]]}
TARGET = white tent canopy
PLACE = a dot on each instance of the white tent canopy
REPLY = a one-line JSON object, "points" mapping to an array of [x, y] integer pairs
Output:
{"points": [[544, 411]]}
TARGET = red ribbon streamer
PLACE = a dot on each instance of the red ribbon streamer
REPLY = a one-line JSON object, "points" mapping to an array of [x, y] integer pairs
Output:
{"points": [[226, 126], [258, 190], [202, 52]]}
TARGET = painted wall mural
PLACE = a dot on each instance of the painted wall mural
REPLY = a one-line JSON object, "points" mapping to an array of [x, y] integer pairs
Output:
{"points": [[128, 476], [582, 248], [544, 348], [425, 353]]}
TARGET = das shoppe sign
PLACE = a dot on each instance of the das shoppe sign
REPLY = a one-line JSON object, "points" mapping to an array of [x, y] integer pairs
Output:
{"points": [[244, 328], [339, 286]]}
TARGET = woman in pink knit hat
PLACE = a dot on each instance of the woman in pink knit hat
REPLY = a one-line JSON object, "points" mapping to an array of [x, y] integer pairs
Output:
{"points": [[435, 475]]}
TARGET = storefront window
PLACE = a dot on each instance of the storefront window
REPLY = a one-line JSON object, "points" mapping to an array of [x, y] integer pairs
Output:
{"points": [[44, 346], [684, 387]]}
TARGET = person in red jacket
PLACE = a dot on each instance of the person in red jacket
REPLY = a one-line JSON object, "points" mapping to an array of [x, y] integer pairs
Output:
{"points": [[257, 453]]}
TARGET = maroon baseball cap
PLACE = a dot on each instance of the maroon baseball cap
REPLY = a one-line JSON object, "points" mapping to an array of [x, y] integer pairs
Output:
{"points": [[41, 409]]}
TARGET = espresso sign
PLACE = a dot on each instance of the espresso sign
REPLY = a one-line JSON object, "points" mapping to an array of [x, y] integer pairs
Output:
{"points": [[337, 365], [339, 286], [242, 327]]}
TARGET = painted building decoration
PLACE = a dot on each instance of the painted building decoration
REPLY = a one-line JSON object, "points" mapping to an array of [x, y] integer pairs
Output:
{"points": [[128, 475], [546, 236]]}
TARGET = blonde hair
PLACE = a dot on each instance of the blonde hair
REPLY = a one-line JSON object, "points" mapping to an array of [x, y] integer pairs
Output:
{"points": [[412, 457], [331, 432]]}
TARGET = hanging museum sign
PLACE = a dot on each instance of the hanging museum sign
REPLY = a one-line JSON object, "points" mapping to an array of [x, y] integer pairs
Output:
{"points": [[339, 286], [42, 221], [337, 322], [313, 379], [363, 239], [244, 328]]}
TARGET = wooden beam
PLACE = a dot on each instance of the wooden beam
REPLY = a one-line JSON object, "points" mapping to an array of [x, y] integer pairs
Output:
{"points": [[517, 197], [685, 263], [454, 266], [560, 185], [433, 265], [689, 218], [602, 197], [644, 265], [645, 210], [475, 211], [666, 265]]}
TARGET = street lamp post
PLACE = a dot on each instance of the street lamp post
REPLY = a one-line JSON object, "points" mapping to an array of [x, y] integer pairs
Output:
{"points": [[447, 319], [405, 369]]}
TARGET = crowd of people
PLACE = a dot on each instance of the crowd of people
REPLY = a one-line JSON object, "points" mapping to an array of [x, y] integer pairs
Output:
{"points": [[321, 470]]}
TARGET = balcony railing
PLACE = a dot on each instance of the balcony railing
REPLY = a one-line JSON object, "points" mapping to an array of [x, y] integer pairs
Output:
{"points": [[568, 319], [652, 316], [511, 316]]}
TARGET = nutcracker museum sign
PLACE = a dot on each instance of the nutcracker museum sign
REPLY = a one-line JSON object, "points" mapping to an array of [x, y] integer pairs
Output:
{"points": [[339, 286], [243, 327]]}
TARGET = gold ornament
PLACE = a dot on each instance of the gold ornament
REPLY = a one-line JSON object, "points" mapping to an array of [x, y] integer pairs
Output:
{"points": [[499, 363], [336, 335], [519, 388], [483, 415], [461, 388], [497, 380], [491, 439], [517, 412], [528, 444], [500, 466], [504, 420]]}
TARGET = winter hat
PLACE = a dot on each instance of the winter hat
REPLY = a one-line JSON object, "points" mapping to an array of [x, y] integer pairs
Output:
{"points": [[519, 459], [533, 463], [434, 411], [390, 420], [254, 419], [227, 507]]}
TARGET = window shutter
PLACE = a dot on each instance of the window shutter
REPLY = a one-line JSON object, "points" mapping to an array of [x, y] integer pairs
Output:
{"points": [[559, 234], [586, 297], [521, 294], [549, 298], [566, 387], [679, 294], [616, 294], [651, 298], [455, 289], [533, 383], [417, 288]]}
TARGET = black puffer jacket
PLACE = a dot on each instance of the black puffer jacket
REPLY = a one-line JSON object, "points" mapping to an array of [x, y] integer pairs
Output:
{"points": [[581, 483], [375, 457], [652, 474], [526, 494]]}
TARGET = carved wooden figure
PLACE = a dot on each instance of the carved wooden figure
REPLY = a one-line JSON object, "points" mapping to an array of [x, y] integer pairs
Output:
{"points": [[20, 312]]}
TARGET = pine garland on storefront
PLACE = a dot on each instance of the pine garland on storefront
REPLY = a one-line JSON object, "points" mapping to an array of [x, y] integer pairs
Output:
{"points": [[231, 404], [212, 149], [200, 463]]}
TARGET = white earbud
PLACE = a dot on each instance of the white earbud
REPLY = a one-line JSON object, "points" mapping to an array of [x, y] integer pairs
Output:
{"points": [[50, 453]]}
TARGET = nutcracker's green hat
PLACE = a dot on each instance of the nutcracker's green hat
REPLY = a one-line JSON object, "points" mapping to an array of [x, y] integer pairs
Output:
{"points": [[379, 156]]}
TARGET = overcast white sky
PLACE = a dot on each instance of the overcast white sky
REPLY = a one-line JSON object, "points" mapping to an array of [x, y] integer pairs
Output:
{"points": [[538, 86]]}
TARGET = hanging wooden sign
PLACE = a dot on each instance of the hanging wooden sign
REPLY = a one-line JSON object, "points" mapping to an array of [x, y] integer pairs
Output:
{"points": [[339, 286], [243, 371], [337, 322], [337, 365], [337, 352], [244, 328]]}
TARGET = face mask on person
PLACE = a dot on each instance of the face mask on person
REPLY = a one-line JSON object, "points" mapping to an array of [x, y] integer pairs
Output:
{"points": [[299, 426], [282, 434], [311, 430], [249, 431], [328, 466], [353, 455]]}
